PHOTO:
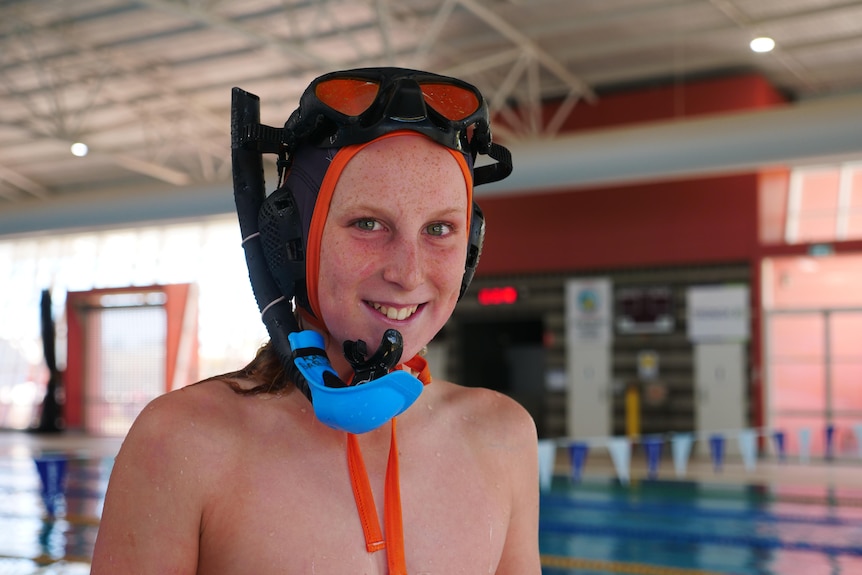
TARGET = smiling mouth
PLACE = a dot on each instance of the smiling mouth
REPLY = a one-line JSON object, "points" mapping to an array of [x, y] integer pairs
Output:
{"points": [[396, 313]]}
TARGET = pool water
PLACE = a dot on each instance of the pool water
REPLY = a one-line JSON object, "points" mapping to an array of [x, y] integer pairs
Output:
{"points": [[595, 526], [31, 540], [674, 527]]}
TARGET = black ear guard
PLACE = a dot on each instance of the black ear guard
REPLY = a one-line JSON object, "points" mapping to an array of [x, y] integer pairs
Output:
{"points": [[281, 234], [474, 249]]}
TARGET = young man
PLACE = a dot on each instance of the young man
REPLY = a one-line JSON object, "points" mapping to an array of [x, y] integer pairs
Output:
{"points": [[282, 468]]}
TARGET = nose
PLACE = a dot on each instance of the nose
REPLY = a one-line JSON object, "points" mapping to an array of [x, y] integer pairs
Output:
{"points": [[404, 264]]}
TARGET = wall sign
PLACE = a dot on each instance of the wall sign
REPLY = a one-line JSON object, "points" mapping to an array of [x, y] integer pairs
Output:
{"points": [[718, 313], [588, 310]]}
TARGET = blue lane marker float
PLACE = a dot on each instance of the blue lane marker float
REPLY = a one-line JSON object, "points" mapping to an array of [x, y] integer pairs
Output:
{"points": [[52, 477]]}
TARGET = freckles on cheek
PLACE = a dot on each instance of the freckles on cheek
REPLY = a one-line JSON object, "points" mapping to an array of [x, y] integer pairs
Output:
{"points": [[347, 262], [451, 267]]}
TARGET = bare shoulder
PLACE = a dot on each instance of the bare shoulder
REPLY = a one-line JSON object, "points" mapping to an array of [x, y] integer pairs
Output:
{"points": [[196, 411], [181, 428], [498, 436], [169, 467], [492, 415], [501, 437]]}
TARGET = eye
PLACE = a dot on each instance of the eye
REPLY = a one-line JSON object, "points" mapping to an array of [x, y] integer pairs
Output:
{"points": [[366, 225], [439, 229]]}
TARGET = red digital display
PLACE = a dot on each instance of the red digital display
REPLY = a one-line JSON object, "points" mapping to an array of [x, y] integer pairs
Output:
{"points": [[498, 295]]}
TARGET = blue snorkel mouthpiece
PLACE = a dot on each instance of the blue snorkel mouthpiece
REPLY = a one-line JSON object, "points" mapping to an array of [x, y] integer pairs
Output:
{"points": [[362, 406]]}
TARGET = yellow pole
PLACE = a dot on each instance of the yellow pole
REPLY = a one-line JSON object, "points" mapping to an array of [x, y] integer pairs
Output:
{"points": [[633, 411]]}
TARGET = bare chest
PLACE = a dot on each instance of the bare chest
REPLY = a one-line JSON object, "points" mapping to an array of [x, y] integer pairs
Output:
{"points": [[298, 514]]}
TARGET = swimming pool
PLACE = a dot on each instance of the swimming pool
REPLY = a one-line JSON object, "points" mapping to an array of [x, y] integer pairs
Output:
{"points": [[598, 526], [32, 541], [594, 526]]}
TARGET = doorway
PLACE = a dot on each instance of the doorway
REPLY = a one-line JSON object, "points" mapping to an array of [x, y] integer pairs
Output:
{"points": [[125, 347], [509, 357], [126, 365]]}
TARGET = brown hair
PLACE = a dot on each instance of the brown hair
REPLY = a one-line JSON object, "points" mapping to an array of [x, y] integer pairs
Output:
{"points": [[265, 369]]}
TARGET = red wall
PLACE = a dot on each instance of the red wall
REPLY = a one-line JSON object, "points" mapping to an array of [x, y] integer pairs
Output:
{"points": [[680, 222], [677, 222], [666, 101]]}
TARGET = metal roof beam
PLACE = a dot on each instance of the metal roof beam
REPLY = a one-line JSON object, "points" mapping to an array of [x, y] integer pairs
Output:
{"points": [[512, 33], [23, 183]]}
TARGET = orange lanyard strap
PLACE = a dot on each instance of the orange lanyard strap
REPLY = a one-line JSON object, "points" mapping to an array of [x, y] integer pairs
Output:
{"points": [[392, 521], [364, 497], [419, 365]]}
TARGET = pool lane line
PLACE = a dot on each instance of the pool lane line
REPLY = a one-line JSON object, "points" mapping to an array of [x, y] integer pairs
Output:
{"points": [[689, 510], [561, 562], [654, 534], [70, 518], [713, 492], [85, 520], [45, 560], [832, 502]]}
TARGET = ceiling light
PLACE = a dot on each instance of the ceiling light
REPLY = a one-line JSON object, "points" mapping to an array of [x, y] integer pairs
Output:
{"points": [[79, 149], [762, 44]]}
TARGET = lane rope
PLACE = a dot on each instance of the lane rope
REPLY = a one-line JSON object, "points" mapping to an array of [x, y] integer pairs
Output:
{"points": [[561, 562]]}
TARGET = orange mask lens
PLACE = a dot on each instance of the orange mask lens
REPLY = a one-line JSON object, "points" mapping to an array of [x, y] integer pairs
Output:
{"points": [[349, 96], [453, 102]]}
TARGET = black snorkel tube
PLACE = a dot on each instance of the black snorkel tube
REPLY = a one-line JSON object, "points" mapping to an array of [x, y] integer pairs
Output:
{"points": [[249, 192], [375, 395]]}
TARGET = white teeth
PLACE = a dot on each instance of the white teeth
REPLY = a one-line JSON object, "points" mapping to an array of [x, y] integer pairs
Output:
{"points": [[394, 312]]}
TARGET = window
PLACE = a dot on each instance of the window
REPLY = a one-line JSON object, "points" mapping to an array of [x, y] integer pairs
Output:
{"points": [[825, 204]]}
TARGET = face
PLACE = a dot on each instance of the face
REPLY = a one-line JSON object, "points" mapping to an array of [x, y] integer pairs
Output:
{"points": [[394, 244]]}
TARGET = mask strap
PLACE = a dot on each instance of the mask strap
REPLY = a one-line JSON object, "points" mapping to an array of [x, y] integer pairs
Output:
{"points": [[494, 172]]}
